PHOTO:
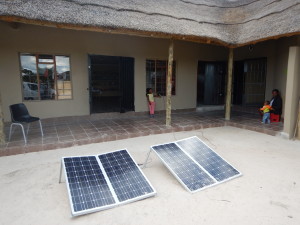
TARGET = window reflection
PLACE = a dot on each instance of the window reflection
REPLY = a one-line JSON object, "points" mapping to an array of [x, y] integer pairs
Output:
{"points": [[156, 74], [64, 88], [45, 77], [47, 81], [45, 58], [29, 77]]}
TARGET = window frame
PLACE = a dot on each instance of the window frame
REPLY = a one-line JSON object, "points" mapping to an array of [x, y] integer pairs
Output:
{"points": [[175, 75], [36, 54]]}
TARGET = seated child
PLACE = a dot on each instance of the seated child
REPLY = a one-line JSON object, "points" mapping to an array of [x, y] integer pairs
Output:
{"points": [[266, 112]]}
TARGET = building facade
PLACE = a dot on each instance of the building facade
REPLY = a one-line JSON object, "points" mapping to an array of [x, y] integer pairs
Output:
{"points": [[51, 71]]}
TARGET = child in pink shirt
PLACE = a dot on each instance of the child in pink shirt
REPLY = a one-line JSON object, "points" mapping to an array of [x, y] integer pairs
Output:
{"points": [[151, 102]]}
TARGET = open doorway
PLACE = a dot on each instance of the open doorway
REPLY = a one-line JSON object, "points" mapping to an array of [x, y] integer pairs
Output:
{"points": [[211, 83], [111, 84], [249, 83]]}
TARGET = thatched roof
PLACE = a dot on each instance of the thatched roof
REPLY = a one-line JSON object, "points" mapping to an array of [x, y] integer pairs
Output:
{"points": [[227, 22]]}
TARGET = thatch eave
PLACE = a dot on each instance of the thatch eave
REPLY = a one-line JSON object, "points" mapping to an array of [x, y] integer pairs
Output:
{"points": [[116, 30], [140, 33], [230, 23]]}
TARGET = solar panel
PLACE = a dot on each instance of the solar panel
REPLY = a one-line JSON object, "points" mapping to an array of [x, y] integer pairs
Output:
{"points": [[125, 176], [208, 159], [194, 164], [100, 182], [186, 171], [87, 184]]}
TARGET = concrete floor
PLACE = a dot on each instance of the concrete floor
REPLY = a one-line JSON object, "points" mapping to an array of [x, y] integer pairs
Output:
{"points": [[268, 193]]}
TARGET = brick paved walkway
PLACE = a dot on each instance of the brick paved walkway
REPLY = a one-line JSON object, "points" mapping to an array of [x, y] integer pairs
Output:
{"points": [[69, 131]]}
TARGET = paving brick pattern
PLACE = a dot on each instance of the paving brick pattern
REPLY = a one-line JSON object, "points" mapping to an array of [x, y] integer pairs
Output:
{"points": [[69, 131]]}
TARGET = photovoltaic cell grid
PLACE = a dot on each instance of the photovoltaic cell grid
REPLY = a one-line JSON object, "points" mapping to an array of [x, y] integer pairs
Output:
{"points": [[194, 164], [124, 175], [188, 172], [87, 184], [104, 181], [208, 159]]}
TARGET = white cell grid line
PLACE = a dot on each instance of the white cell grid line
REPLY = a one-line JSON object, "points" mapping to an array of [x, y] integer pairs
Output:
{"points": [[217, 182], [207, 159], [82, 212], [139, 197], [108, 181], [178, 178], [176, 174], [240, 174], [117, 202]]}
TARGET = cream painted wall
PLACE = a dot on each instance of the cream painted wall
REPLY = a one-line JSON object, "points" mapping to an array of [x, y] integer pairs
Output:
{"points": [[78, 44], [32, 40]]}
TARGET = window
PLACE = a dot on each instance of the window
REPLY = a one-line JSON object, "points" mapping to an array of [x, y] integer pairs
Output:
{"points": [[45, 77], [156, 74]]}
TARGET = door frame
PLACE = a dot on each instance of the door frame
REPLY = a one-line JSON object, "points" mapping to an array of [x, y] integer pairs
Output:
{"points": [[89, 82]]}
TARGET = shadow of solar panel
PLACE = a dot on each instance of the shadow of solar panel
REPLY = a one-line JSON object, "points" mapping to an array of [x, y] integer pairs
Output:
{"points": [[184, 168], [87, 185], [208, 159], [125, 176], [100, 182]]}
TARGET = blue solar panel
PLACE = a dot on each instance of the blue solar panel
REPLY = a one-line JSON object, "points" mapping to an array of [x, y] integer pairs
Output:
{"points": [[184, 168], [87, 184], [208, 159], [194, 164], [125, 176], [100, 182]]}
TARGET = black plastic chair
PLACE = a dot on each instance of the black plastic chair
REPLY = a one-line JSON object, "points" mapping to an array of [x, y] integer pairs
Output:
{"points": [[19, 115]]}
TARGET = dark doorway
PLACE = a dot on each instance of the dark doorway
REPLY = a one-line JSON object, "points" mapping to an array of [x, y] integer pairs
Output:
{"points": [[111, 84], [238, 82], [249, 82], [211, 83]]}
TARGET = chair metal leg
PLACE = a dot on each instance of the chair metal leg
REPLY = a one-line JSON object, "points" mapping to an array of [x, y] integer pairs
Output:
{"points": [[27, 128], [10, 129], [13, 130], [41, 128], [25, 139]]}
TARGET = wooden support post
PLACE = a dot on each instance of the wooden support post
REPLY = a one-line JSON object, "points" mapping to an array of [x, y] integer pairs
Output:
{"points": [[2, 135], [229, 85], [169, 84]]}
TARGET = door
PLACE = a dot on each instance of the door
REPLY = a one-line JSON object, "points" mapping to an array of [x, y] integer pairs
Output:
{"points": [[127, 83], [238, 82], [211, 83], [255, 81], [249, 82], [111, 84]]}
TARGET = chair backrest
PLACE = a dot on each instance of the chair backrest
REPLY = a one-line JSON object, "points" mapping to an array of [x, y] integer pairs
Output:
{"points": [[18, 111]]}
